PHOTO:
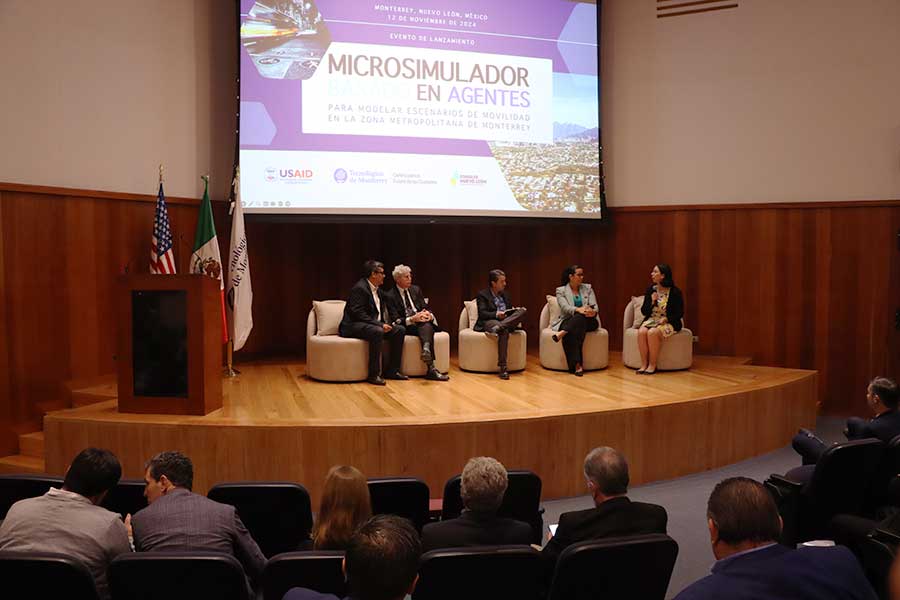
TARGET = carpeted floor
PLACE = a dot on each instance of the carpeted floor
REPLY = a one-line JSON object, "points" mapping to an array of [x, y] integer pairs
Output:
{"points": [[685, 500]]}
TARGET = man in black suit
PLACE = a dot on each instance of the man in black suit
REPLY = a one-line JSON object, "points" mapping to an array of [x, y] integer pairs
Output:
{"points": [[882, 397], [409, 306], [613, 515], [497, 316], [382, 562], [484, 483], [367, 317]]}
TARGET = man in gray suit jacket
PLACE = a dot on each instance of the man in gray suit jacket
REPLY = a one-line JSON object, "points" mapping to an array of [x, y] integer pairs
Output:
{"points": [[180, 520]]}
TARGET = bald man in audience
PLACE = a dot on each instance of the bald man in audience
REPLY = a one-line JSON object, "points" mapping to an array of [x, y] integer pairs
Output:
{"points": [[744, 527], [613, 514]]}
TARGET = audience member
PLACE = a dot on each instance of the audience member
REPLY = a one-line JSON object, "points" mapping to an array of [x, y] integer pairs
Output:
{"points": [[484, 482], [614, 514], [180, 520], [70, 521], [882, 398], [345, 507], [743, 528], [381, 562]]}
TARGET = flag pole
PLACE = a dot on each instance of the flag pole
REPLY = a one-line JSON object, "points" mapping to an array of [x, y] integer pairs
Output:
{"points": [[230, 371]]}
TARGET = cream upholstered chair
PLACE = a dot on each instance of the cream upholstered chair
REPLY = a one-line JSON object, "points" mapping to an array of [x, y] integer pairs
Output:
{"points": [[478, 350], [412, 364], [329, 357], [676, 353], [595, 351]]}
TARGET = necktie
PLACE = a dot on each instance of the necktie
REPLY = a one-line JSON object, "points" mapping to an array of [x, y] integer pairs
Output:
{"points": [[407, 299]]}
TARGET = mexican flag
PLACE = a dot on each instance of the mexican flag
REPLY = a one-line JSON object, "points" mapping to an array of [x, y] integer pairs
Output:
{"points": [[206, 259]]}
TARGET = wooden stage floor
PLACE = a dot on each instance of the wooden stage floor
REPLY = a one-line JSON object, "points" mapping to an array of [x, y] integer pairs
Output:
{"points": [[277, 424]]}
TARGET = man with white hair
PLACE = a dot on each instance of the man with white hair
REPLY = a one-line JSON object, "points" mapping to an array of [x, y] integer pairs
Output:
{"points": [[484, 482], [409, 305]]}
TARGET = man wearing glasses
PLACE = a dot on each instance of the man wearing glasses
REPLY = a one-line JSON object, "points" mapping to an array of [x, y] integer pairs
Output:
{"points": [[366, 317]]}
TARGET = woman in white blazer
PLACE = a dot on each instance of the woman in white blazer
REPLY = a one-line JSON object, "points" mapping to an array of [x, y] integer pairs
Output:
{"points": [[577, 316]]}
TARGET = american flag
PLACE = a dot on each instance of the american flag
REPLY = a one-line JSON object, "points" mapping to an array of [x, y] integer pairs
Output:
{"points": [[162, 258]]}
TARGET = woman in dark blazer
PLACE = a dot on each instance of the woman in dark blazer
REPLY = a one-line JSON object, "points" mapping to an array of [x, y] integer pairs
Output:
{"points": [[577, 316], [663, 311]]}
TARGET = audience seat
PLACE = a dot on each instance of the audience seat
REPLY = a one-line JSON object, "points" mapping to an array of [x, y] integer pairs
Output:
{"points": [[838, 485], [126, 498], [45, 575], [878, 553], [277, 514], [317, 570], [411, 363], [878, 494], [18, 487], [595, 350], [480, 573], [329, 357], [675, 353], [628, 567], [478, 350], [522, 500], [406, 497], [176, 576]]}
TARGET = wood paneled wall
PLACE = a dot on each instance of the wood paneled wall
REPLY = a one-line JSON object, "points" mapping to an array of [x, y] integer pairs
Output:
{"points": [[797, 286]]}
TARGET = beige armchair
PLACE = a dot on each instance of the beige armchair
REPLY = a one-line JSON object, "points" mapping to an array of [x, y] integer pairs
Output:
{"points": [[478, 350], [595, 350], [412, 364], [329, 357], [676, 352]]}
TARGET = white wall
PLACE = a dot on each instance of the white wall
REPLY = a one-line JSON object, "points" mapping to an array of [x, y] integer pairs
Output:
{"points": [[96, 94], [775, 101]]}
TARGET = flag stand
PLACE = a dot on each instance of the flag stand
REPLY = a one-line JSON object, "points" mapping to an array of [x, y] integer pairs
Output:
{"points": [[230, 371]]}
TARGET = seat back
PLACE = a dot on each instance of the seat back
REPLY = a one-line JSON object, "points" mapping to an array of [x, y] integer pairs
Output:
{"points": [[628, 317], [878, 493], [628, 567], [522, 500], [544, 321], [278, 515], [311, 324], [46, 575], [318, 570], [877, 555], [177, 576], [463, 319], [126, 498], [19, 487], [479, 573], [406, 497], [839, 482]]}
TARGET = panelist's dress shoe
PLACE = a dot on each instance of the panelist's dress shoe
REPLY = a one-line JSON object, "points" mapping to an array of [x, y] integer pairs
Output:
{"points": [[435, 375], [376, 380], [396, 375]]}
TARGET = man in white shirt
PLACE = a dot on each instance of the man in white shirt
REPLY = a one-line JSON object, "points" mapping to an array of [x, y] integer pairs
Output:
{"points": [[367, 317], [70, 520]]}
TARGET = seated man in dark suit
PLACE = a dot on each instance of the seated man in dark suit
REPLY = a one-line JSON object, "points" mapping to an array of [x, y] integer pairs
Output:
{"points": [[743, 526], [484, 482], [181, 521], [613, 515], [367, 317], [882, 397], [382, 562], [410, 307], [497, 316]]}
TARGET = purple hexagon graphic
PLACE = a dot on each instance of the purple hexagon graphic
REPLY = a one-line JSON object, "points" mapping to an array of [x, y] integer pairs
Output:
{"points": [[257, 128]]}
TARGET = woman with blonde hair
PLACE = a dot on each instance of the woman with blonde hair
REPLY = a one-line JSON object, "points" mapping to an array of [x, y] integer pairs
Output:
{"points": [[344, 508]]}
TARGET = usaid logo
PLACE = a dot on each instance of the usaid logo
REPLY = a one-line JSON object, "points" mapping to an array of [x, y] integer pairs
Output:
{"points": [[289, 175], [340, 175]]}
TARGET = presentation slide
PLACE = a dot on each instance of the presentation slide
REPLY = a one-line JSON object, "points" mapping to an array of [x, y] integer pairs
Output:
{"points": [[420, 108]]}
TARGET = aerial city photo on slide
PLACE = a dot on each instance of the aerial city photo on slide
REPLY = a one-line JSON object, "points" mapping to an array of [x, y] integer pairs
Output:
{"points": [[469, 107]]}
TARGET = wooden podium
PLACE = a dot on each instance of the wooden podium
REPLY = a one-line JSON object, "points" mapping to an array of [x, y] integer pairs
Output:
{"points": [[170, 344]]}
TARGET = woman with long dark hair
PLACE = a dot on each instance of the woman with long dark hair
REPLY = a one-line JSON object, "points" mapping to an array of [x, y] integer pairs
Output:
{"points": [[663, 311], [345, 506], [577, 316]]}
